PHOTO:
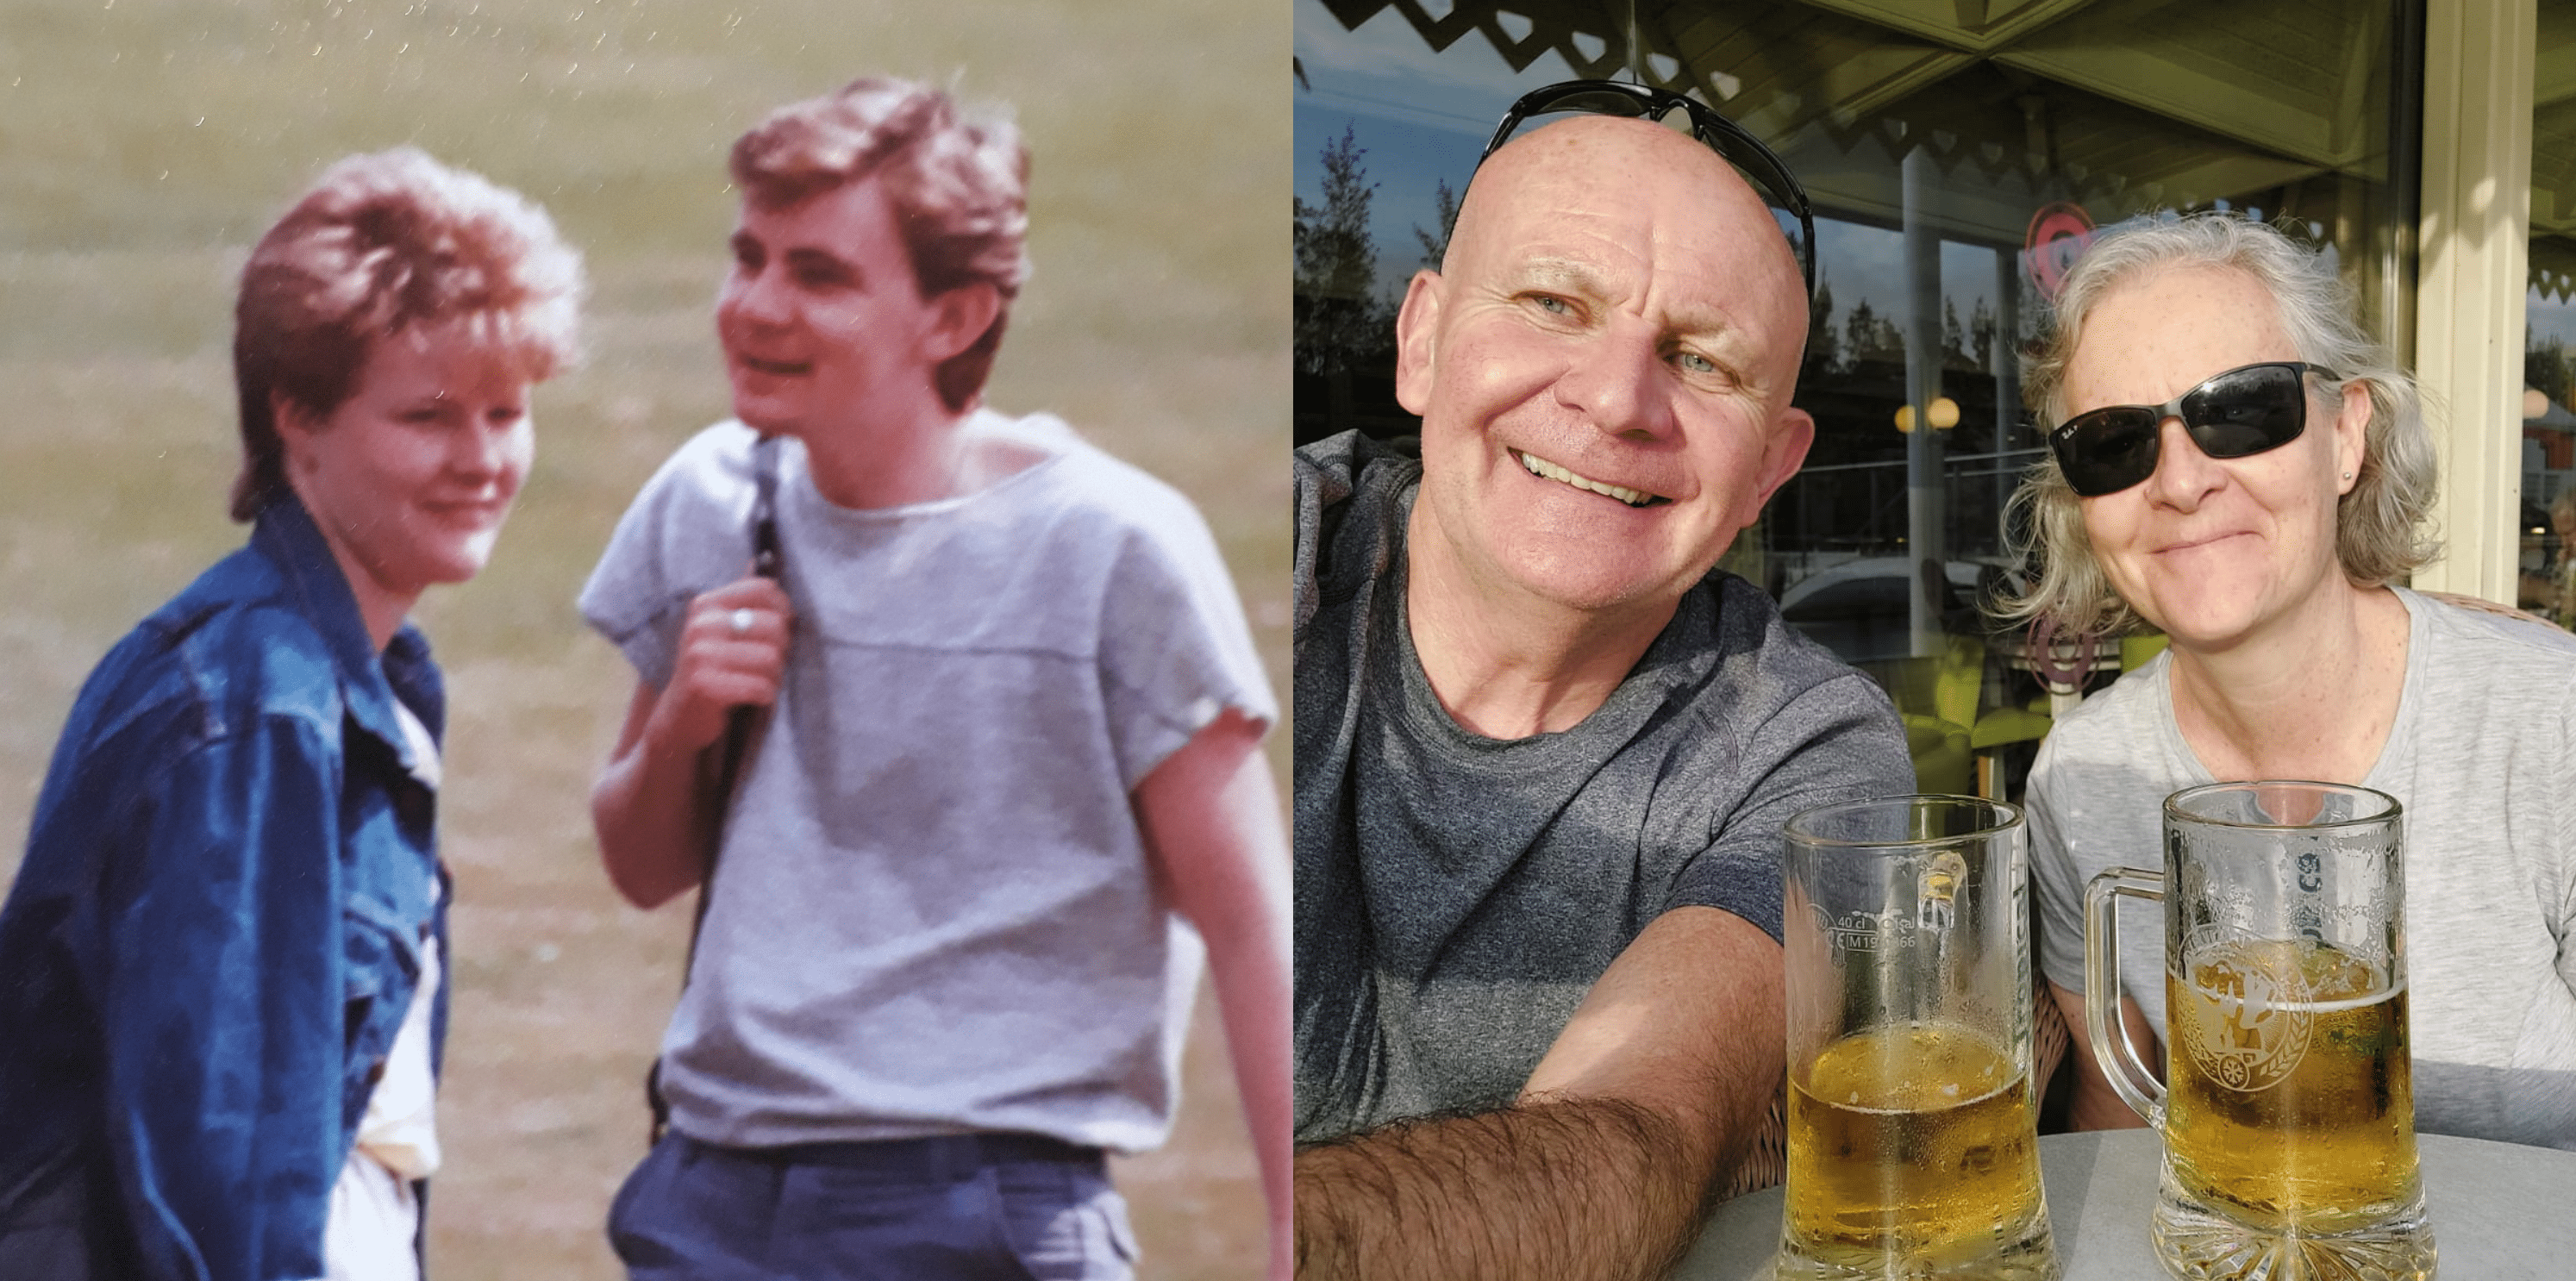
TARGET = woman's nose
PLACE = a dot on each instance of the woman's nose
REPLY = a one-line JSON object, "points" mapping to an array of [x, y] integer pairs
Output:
{"points": [[2183, 474], [487, 449]]}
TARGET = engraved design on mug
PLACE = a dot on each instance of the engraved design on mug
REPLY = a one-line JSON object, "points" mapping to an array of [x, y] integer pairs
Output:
{"points": [[2248, 1014]]}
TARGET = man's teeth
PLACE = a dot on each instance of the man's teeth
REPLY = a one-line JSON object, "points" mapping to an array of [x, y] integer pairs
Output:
{"points": [[1541, 467]]}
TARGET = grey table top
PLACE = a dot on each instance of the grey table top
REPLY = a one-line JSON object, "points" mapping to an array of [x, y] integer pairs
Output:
{"points": [[2501, 1212]]}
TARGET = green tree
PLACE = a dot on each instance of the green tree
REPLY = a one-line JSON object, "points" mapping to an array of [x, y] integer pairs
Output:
{"points": [[1824, 341], [1435, 248], [1340, 323], [1982, 332], [1954, 338], [1869, 336], [2545, 367]]}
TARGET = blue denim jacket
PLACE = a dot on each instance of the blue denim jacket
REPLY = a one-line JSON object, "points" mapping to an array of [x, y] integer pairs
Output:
{"points": [[217, 929]]}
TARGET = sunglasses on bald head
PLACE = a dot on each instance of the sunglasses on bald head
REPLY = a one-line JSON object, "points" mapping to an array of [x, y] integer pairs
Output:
{"points": [[2236, 414], [1758, 163]]}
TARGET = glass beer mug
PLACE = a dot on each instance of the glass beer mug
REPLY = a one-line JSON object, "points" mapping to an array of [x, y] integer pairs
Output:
{"points": [[2289, 1121], [1913, 1129]]}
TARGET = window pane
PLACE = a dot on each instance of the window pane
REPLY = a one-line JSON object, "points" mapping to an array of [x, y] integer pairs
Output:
{"points": [[2549, 309]]}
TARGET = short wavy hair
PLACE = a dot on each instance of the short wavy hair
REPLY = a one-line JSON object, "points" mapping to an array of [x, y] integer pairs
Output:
{"points": [[2380, 531], [959, 186], [382, 244]]}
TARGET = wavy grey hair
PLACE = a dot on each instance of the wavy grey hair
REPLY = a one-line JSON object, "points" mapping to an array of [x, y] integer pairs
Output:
{"points": [[2379, 525]]}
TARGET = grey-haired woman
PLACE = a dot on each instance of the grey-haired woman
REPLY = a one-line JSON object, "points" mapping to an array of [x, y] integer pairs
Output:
{"points": [[2234, 462]]}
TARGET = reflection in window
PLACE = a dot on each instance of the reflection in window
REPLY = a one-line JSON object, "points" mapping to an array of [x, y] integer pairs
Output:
{"points": [[2549, 313]]}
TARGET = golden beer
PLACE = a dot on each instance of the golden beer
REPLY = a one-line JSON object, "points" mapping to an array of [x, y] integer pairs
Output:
{"points": [[1916, 1139], [2291, 1103]]}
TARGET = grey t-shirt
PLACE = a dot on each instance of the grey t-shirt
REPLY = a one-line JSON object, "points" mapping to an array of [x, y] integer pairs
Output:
{"points": [[933, 913], [2482, 756], [1457, 895]]}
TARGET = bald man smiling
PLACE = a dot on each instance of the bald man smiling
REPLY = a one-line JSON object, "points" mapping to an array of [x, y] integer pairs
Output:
{"points": [[1543, 749]]}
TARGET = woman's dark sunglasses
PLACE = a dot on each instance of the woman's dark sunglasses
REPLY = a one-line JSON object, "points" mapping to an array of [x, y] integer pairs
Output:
{"points": [[1723, 136], [2235, 414]]}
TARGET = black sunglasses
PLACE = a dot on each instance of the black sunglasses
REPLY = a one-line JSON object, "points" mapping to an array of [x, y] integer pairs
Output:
{"points": [[1723, 136], [2232, 415]]}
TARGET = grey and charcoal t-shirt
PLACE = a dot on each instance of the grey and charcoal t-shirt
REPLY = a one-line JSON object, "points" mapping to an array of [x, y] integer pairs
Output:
{"points": [[2483, 758], [933, 912], [1457, 895]]}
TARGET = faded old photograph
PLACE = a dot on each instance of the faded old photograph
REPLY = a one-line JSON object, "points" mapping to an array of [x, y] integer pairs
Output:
{"points": [[483, 472]]}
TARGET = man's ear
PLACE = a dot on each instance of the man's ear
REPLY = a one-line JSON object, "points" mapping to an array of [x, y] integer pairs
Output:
{"points": [[959, 317], [1792, 433], [1417, 326]]}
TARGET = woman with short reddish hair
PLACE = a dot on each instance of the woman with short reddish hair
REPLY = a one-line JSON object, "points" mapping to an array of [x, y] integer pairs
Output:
{"points": [[224, 951]]}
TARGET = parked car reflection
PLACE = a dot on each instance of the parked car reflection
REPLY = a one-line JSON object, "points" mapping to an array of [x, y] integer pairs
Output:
{"points": [[1859, 608]]}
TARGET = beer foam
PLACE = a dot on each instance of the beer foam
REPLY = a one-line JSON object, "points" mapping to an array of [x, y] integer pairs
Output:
{"points": [[1911, 1068], [2336, 1006], [2340, 1004]]}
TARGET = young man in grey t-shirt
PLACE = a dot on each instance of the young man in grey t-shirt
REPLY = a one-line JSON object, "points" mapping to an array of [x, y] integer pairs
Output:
{"points": [[1010, 745]]}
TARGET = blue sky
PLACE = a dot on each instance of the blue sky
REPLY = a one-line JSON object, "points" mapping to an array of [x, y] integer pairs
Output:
{"points": [[1421, 116]]}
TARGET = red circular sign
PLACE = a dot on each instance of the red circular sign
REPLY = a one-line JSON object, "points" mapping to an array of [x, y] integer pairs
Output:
{"points": [[2058, 234]]}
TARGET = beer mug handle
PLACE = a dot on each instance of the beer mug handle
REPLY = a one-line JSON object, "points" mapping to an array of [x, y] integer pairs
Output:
{"points": [[2127, 1072]]}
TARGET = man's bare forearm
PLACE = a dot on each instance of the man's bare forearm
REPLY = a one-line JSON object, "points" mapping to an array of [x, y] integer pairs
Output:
{"points": [[1211, 821], [1559, 1190], [657, 803], [650, 810]]}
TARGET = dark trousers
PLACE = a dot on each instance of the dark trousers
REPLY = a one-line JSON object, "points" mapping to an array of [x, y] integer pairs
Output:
{"points": [[958, 1206]]}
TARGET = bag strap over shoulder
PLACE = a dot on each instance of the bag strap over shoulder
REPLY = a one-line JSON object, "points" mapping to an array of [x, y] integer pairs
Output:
{"points": [[740, 725]]}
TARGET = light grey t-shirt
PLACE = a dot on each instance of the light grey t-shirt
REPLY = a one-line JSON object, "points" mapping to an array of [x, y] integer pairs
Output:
{"points": [[2483, 758], [933, 913]]}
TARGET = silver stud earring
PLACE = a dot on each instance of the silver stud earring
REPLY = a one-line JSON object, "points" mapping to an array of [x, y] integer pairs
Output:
{"points": [[2347, 475]]}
